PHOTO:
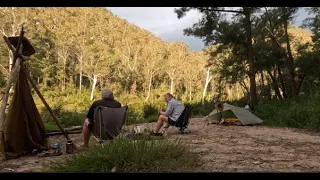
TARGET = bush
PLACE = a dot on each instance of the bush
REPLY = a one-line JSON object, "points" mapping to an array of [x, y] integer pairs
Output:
{"points": [[301, 112], [149, 110], [47, 117], [153, 118], [131, 156], [199, 109], [68, 119], [65, 118], [134, 115]]}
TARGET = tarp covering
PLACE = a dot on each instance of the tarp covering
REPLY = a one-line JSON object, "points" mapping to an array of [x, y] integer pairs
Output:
{"points": [[243, 114], [23, 129]]}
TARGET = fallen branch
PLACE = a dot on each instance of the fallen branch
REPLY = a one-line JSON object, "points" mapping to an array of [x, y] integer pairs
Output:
{"points": [[67, 129], [73, 128], [60, 133]]}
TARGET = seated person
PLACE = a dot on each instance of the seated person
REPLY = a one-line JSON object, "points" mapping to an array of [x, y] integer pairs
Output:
{"points": [[106, 101], [171, 115]]}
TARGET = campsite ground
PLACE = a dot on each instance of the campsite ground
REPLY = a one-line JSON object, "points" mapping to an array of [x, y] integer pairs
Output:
{"points": [[224, 149]]}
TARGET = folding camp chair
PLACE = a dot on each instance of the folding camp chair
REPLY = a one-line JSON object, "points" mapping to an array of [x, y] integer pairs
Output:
{"points": [[183, 121], [108, 122]]}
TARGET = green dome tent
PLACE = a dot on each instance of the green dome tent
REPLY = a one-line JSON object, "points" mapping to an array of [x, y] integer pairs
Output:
{"points": [[243, 114]]}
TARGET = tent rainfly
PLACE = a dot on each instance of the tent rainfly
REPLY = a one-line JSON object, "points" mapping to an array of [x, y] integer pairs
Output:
{"points": [[243, 114]]}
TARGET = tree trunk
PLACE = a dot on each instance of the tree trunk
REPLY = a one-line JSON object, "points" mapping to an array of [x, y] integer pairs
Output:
{"points": [[275, 85], [64, 74], [290, 59], [80, 78], [283, 86], [262, 81], [190, 92], [300, 83], [149, 89], [238, 94], [80, 81], [10, 66], [262, 78], [95, 78], [208, 79], [230, 92], [247, 91], [251, 74], [133, 87], [171, 86], [10, 61]]}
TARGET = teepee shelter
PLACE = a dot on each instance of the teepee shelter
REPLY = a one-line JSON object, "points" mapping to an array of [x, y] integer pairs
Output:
{"points": [[243, 114], [22, 129]]}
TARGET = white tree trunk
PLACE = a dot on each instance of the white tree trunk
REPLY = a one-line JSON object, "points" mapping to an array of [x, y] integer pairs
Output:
{"points": [[64, 73], [230, 92], [208, 79], [190, 92], [149, 89], [10, 60], [80, 81], [238, 93], [171, 86], [95, 78], [172, 81]]}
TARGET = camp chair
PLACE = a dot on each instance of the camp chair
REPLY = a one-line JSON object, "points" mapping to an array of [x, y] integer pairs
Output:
{"points": [[183, 121], [108, 122]]}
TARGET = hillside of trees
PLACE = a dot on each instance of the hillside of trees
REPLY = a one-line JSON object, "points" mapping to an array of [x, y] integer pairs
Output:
{"points": [[81, 50]]}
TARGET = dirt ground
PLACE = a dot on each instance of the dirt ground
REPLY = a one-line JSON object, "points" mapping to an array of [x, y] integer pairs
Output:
{"points": [[223, 149]]}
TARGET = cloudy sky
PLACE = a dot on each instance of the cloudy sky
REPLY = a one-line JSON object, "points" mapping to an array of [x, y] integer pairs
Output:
{"points": [[163, 22]]}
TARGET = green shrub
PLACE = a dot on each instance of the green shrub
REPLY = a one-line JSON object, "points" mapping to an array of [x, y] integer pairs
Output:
{"points": [[301, 112], [149, 110], [68, 119], [134, 115], [199, 109], [131, 156], [152, 118]]}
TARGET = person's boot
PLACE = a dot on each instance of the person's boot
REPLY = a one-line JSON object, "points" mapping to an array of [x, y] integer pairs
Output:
{"points": [[181, 131]]}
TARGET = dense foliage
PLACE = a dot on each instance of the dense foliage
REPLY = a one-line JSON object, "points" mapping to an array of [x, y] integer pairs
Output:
{"points": [[81, 50]]}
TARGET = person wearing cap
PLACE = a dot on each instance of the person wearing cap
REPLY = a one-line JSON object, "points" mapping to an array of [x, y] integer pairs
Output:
{"points": [[106, 101]]}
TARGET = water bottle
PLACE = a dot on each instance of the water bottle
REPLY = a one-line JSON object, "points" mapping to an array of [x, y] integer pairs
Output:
{"points": [[56, 146]]}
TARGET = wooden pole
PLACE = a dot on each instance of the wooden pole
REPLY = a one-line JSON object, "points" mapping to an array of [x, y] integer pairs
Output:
{"points": [[12, 77]]}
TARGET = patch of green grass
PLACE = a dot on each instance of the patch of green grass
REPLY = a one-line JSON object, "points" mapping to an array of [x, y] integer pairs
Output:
{"points": [[69, 119], [65, 118], [50, 126], [131, 156]]}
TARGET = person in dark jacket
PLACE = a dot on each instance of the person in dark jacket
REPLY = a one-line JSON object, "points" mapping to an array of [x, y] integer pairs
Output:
{"points": [[106, 101]]}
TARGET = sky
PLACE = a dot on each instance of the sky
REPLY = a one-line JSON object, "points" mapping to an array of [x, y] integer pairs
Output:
{"points": [[163, 22]]}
